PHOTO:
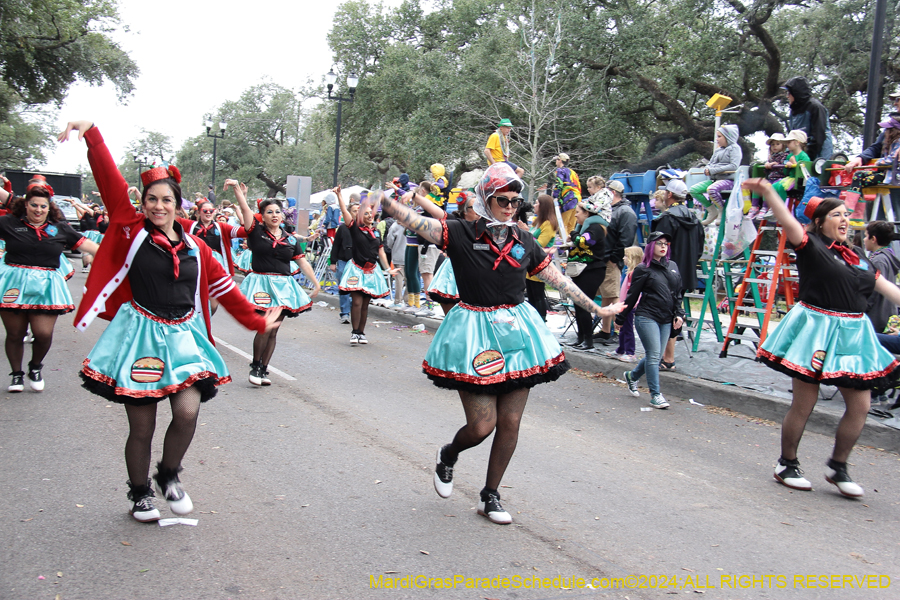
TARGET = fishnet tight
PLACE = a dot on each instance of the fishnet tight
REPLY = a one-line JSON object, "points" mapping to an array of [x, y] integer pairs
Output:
{"points": [[142, 423]]}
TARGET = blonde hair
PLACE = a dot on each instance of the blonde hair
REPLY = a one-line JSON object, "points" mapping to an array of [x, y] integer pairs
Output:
{"points": [[633, 256], [659, 196], [597, 181]]}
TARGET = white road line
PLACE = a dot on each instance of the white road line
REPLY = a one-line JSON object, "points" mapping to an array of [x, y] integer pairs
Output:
{"points": [[237, 350]]}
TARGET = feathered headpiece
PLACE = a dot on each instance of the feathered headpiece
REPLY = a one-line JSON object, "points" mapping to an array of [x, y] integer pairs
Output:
{"points": [[158, 173]]}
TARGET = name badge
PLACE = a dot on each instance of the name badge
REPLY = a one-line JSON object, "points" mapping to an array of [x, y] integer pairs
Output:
{"points": [[862, 265], [480, 247]]}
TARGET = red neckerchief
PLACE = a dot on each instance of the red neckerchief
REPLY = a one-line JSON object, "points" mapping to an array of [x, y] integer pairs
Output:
{"points": [[501, 254], [847, 253], [203, 230], [276, 241], [161, 240], [368, 230], [40, 230]]}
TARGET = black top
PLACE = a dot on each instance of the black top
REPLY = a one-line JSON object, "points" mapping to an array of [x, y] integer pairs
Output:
{"points": [[153, 283], [687, 235], [366, 243], [23, 247], [210, 236], [828, 281], [102, 225], [659, 288], [620, 233], [88, 222], [342, 249], [589, 246], [271, 254], [474, 256]]}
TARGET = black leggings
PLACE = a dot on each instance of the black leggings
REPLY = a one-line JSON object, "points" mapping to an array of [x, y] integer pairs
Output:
{"points": [[16, 323], [588, 282]]}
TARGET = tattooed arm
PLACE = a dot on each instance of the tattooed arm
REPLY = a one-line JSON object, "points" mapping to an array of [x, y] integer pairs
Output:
{"points": [[552, 275], [428, 228]]}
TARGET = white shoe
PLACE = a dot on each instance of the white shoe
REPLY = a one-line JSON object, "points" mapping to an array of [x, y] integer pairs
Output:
{"points": [[791, 476], [489, 506], [354, 339], [840, 478], [35, 380], [712, 213], [361, 338], [442, 472], [144, 510]]}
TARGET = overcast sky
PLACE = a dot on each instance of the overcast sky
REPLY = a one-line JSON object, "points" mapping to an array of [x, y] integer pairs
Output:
{"points": [[193, 56]]}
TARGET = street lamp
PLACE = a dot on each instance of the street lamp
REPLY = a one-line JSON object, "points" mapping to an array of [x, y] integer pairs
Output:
{"points": [[142, 161], [352, 82], [216, 137]]}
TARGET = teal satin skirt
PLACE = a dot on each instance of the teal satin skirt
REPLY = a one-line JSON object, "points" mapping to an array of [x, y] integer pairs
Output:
{"points": [[493, 350], [243, 261], [821, 346], [140, 358], [93, 235], [370, 282], [443, 285], [266, 290], [36, 288]]}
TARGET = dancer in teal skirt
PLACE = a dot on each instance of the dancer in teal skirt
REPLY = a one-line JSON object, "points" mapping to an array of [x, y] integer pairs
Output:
{"points": [[363, 278], [153, 281], [493, 347], [826, 338], [270, 284]]}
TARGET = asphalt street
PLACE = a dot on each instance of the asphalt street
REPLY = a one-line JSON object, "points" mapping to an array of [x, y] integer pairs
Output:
{"points": [[319, 486]]}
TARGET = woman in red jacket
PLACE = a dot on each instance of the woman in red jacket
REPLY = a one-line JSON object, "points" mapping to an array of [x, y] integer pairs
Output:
{"points": [[154, 282]]}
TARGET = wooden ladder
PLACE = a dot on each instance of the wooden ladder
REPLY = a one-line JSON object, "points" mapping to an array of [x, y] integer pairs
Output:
{"points": [[761, 271]]}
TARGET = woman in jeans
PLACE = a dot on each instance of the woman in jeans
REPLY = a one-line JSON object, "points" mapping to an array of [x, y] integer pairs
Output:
{"points": [[657, 282]]}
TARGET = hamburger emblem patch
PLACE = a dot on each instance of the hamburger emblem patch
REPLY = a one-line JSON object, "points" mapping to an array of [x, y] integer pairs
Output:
{"points": [[488, 362], [147, 370], [352, 281], [10, 295], [818, 359], [262, 299]]}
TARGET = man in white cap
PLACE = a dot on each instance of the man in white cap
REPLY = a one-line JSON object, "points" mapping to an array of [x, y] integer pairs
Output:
{"points": [[684, 228]]}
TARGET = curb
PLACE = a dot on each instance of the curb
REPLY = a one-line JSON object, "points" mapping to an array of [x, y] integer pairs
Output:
{"points": [[710, 393]]}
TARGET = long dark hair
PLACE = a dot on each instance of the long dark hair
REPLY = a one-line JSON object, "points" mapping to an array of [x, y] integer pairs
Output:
{"points": [[818, 218], [17, 206], [546, 211]]}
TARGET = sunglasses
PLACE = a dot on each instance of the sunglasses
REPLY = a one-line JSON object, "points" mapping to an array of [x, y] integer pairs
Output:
{"points": [[503, 201], [207, 212]]}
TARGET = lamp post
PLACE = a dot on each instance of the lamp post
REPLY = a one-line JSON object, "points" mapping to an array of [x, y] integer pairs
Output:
{"points": [[352, 82], [216, 137], [142, 161]]}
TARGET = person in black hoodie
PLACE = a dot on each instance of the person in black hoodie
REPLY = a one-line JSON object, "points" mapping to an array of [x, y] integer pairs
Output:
{"points": [[685, 231], [811, 116], [879, 234], [341, 253], [586, 265], [657, 282]]}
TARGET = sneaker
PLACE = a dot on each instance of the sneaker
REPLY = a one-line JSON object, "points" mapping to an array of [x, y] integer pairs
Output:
{"points": [[632, 384], [18, 382], [256, 374], [489, 506], [34, 378], [443, 476], [788, 473], [361, 338], [85, 269], [143, 508], [354, 339], [424, 312], [264, 374], [658, 401], [837, 475], [28, 337], [345, 319], [612, 340], [170, 488], [627, 358]]}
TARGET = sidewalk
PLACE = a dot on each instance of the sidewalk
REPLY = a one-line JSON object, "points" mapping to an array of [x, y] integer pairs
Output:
{"points": [[736, 383]]}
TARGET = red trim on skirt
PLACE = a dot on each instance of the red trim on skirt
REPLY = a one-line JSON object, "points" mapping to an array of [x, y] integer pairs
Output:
{"points": [[499, 377], [160, 393], [485, 308], [825, 311], [63, 307], [767, 356]]}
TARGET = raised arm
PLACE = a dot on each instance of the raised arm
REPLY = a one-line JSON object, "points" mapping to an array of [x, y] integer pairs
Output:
{"points": [[428, 228], [246, 214], [553, 276], [348, 218], [789, 224]]}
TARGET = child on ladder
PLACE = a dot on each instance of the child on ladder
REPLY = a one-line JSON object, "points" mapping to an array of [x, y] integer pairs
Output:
{"points": [[796, 143], [724, 162], [774, 171]]}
